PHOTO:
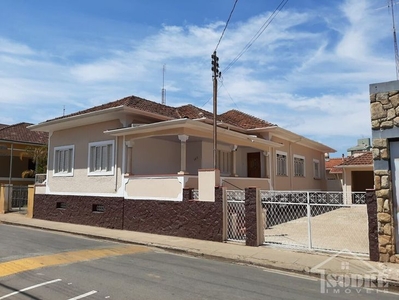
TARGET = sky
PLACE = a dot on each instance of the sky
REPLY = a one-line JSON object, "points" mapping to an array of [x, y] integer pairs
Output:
{"points": [[308, 71]]}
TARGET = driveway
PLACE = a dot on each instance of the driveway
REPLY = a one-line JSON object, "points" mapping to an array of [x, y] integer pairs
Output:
{"points": [[345, 228]]}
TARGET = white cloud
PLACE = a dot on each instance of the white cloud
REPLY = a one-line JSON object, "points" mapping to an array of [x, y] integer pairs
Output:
{"points": [[308, 68]]}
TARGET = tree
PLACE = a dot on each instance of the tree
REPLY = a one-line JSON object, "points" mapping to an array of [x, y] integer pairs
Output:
{"points": [[39, 158]]}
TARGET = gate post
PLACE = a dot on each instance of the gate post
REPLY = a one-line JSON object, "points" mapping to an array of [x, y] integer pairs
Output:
{"points": [[31, 199], [253, 217], [225, 213], [5, 198]]}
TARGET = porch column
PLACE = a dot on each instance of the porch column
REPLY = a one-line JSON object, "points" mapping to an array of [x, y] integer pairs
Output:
{"points": [[234, 161], [183, 153], [129, 145], [266, 155]]}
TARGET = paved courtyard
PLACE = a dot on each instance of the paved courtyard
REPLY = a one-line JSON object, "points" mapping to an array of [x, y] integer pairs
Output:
{"points": [[343, 228]]}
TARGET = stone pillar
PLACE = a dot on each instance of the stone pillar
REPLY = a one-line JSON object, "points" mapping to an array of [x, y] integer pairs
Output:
{"points": [[253, 217], [183, 153], [384, 109], [371, 201], [129, 159]]}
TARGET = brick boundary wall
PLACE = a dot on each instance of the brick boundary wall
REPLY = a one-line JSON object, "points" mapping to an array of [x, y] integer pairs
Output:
{"points": [[79, 210], [189, 218], [251, 230]]}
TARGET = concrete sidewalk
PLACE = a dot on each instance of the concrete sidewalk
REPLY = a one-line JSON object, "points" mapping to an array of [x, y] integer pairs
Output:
{"points": [[314, 263]]}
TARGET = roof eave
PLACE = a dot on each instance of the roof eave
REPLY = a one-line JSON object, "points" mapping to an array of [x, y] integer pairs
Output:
{"points": [[299, 139]]}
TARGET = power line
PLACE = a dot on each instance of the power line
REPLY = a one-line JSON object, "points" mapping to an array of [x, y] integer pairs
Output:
{"points": [[258, 34], [227, 23]]}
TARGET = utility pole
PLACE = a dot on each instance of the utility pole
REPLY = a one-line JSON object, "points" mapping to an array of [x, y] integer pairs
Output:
{"points": [[216, 74], [395, 42]]}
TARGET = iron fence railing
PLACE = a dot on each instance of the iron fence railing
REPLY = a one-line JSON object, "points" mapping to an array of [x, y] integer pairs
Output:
{"points": [[19, 197], [236, 215], [40, 178], [329, 221]]}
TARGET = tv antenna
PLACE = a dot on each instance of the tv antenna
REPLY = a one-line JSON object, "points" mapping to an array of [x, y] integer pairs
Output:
{"points": [[163, 86], [395, 42]]}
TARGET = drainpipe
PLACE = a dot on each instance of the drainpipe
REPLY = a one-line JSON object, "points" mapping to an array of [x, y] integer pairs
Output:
{"points": [[10, 172], [290, 166], [116, 164]]}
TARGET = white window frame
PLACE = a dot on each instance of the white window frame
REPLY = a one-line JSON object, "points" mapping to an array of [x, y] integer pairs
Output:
{"points": [[302, 158], [61, 150], [111, 163], [316, 172], [277, 163]]}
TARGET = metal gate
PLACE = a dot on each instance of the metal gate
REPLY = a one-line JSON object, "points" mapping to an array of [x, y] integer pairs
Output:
{"points": [[327, 221], [19, 197], [236, 215]]}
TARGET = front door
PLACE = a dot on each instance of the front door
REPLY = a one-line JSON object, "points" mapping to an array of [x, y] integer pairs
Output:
{"points": [[394, 149], [253, 163]]}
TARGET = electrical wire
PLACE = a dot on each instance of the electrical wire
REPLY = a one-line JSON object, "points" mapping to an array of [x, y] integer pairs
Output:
{"points": [[227, 23], [258, 34]]}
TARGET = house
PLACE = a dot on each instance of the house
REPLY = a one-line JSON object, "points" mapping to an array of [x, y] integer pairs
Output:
{"points": [[334, 174], [352, 174], [101, 149], [136, 149], [357, 173], [16, 143]]}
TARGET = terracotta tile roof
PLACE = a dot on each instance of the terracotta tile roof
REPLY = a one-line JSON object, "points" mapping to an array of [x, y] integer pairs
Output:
{"points": [[243, 120], [134, 102], [233, 117], [332, 162], [19, 133], [193, 112], [3, 125], [358, 160]]}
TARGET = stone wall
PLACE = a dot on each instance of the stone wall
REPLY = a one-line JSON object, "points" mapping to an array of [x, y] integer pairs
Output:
{"points": [[384, 108]]}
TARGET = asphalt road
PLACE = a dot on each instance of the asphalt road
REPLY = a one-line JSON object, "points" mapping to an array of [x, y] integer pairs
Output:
{"points": [[37, 264]]}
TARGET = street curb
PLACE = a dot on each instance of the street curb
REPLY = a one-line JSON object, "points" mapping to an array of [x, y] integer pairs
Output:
{"points": [[236, 260], [303, 270]]}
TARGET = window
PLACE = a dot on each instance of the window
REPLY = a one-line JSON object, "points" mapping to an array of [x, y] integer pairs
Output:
{"points": [[281, 163], [299, 166], [101, 158], [63, 160], [224, 162], [316, 168]]}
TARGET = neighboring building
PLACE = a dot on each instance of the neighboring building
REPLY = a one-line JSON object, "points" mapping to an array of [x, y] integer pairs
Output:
{"points": [[15, 142], [333, 174], [350, 174], [357, 173], [363, 145]]}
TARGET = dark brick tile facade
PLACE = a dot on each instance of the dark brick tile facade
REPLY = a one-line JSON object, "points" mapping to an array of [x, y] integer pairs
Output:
{"points": [[79, 210]]}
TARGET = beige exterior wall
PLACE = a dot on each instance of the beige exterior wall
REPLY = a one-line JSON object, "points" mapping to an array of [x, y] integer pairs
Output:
{"points": [[155, 188], [231, 183], [164, 156], [80, 182], [291, 182]]}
